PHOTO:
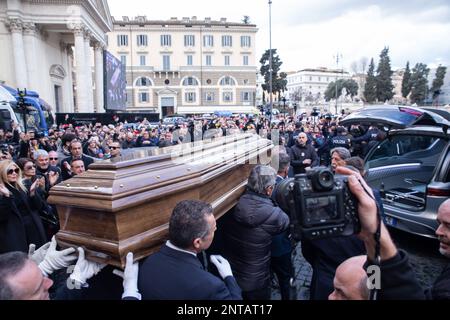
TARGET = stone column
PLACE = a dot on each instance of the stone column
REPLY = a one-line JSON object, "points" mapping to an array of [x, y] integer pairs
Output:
{"points": [[80, 58], [67, 88], [20, 64], [98, 52], [88, 57], [68, 97], [29, 39]]}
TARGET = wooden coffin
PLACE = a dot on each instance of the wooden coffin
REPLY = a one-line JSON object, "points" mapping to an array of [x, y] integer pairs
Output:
{"points": [[124, 204]]}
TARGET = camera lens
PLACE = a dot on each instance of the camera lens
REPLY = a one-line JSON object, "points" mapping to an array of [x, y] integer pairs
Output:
{"points": [[326, 179], [322, 179]]}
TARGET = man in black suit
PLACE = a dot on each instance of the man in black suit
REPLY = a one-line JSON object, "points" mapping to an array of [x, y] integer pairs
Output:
{"points": [[76, 152], [175, 272]]}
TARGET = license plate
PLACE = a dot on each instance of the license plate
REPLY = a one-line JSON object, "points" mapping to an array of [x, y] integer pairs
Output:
{"points": [[390, 221]]}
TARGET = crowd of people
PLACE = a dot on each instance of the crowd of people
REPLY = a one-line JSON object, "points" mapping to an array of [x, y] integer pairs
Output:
{"points": [[257, 242]]}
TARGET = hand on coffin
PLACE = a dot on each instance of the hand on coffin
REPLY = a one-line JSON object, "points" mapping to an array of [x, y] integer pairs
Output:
{"points": [[130, 278], [39, 254], [85, 269], [55, 260], [222, 265]]}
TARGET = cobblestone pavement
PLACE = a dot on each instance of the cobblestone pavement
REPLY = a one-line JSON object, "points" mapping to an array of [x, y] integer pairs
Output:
{"points": [[424, 255]]}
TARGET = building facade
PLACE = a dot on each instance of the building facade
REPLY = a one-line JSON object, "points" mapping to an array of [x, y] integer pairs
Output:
{"points": [[55, 47], [186, 66], [311, 84]]}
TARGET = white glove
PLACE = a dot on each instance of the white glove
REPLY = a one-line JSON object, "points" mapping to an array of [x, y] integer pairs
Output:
{"points": [[130, 278], [222, 265], [84, 269], [39, 254], [55, 260]]}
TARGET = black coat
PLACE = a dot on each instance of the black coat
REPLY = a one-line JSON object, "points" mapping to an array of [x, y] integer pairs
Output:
{"points": [[300, 153], [15, 210], [399, 282], [324, 256], [248, 233], [441, 287], [170, 274], [65, 174]]}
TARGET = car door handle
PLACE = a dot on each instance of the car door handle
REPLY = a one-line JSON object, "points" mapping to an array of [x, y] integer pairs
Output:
{"points": [[411, 181]]}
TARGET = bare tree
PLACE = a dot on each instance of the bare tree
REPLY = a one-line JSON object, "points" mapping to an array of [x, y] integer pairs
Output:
{"points": [[354, 67], [297, 95], [363, 63]]}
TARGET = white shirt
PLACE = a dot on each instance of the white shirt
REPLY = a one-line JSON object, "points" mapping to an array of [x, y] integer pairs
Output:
{"points": [[170, 245]]}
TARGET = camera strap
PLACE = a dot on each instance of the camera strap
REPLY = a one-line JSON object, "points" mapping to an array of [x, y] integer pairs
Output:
{"points": [[374, 291], [294, 234]]}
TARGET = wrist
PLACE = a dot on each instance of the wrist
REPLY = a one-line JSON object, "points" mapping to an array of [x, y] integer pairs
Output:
{"points": [[132, 293]]}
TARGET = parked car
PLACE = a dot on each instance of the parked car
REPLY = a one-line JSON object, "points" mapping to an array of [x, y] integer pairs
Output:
{"points": [[411, 167], [172, 121]]}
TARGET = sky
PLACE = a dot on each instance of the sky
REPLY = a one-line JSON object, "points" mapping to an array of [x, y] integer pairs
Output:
{"points": [[312, 33]]}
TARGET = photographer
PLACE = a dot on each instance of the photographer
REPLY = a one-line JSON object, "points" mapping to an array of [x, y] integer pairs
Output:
{"points": [[398, 280], [281, 249]]}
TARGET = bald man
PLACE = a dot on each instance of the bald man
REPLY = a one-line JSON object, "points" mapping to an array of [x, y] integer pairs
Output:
{"points": [[303, 155], [350, 281]]}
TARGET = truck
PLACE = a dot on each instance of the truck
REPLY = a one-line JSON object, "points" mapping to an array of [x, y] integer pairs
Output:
{"points": [[38, 116], [8, 110]]}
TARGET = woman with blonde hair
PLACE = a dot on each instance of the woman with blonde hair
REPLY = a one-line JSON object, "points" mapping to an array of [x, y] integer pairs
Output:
{"points": [[20, 223]]}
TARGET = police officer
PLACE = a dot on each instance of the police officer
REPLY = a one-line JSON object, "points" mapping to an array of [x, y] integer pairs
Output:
{"points": [[342, 139]]}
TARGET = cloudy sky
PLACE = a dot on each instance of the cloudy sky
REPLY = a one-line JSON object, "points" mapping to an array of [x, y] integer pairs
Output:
{"points": [[310, 33]]}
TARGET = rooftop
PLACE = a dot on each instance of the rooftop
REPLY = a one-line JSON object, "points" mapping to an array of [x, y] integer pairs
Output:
{"points": [[187, 21]]}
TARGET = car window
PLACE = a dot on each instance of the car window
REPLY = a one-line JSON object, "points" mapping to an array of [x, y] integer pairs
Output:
{"points": [[401, 149]]}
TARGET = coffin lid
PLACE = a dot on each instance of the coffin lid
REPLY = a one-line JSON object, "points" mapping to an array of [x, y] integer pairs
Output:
{"points": [[116, 183]]}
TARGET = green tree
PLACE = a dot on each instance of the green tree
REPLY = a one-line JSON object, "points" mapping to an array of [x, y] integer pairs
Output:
{"points": [[419, 83], [385, 88], [279, 81], [370, 87], [406, 81], [438, 81], [350, 85]]}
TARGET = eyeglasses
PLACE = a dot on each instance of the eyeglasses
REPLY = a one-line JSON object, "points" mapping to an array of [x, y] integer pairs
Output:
{"points": [[53, 158], [11, 171], [30, 167], [113, 148]]}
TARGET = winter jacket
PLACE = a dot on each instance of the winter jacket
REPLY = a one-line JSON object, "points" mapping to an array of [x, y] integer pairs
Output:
{"points": [[248, 238]]}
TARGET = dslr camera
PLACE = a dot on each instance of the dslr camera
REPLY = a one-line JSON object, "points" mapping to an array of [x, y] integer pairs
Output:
{"points": [[319, 204]]}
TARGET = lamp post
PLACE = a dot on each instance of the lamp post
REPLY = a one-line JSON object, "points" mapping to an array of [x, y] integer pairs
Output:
{"points": [[338, 55], [270, 63]]}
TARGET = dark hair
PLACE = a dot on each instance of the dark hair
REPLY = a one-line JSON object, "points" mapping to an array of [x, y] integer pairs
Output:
{"points": [[357, 163], [67, 137], [284, 161], [22, 161], [188, 222], [10, 264]]}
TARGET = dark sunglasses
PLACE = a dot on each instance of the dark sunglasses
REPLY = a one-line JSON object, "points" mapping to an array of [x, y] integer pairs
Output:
{"points": [[30, 167], [53, 158], [114, 148], [11, 171]]}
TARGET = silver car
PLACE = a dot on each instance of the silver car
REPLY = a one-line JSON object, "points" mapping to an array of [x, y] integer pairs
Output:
{"points": [[411, 168]]}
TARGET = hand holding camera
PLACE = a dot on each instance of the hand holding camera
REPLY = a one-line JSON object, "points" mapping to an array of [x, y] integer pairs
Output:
{"points": [[319, 204]]}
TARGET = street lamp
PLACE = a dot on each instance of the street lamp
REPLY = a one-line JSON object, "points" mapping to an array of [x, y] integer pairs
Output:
{"points": [[338, 55], [270, 63]]}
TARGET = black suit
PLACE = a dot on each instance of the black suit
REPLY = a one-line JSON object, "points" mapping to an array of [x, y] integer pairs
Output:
{"points": [[65, 174], [174, 275]]}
